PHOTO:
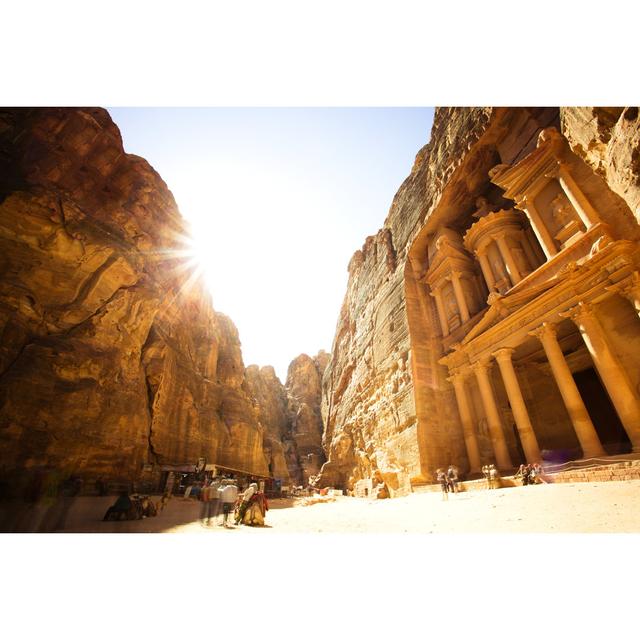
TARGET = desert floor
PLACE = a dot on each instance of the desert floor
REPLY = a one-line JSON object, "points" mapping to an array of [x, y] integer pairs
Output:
{"points": [[601, 507]]}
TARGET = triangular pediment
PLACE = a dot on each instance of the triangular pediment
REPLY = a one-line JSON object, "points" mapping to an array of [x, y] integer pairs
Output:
{"points": [[502, 306], [522, 177]]}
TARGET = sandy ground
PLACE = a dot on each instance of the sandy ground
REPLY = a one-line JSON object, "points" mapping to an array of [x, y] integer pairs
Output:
{"points": [[603, 507]]}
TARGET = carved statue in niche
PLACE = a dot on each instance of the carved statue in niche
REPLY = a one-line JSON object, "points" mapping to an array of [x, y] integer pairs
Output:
{"points": [[482, 427], [484, 207], [450, 305], [520, 259], [562, 211], [498, 268]]}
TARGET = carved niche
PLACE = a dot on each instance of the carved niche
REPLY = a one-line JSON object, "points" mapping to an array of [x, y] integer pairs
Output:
{"points": [[503, 247], [453, 280], [542, 185]]}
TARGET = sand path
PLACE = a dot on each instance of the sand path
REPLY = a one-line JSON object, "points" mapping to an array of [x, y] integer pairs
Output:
{"points": [[571, 508]]}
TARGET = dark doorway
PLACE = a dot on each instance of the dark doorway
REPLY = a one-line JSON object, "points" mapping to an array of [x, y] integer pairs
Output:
{"points": [[603, 415], [519, 446]]}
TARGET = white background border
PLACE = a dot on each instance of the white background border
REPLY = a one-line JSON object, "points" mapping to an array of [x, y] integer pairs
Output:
{"points": [[137, 52]]}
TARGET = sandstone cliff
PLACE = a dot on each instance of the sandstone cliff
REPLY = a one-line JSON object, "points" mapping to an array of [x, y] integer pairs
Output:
{"points": [[304, 389], [387, 410], [112, 359], [290, 415], [271, 402]]}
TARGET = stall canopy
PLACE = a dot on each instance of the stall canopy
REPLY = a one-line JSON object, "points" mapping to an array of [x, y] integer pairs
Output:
{"points": [[190, 468]]}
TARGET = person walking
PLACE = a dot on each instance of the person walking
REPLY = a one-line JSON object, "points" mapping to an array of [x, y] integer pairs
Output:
{"points": [[228, 493], [521, 473], [214, 501], [494, 477], [441, 477], [205, 497], [485, 473], [452, 478]]}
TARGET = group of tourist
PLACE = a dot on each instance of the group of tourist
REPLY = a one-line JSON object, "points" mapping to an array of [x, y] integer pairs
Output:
{"points": [[448, 480], [492, 476], [248, 507], [219, 497], [530, 474]]}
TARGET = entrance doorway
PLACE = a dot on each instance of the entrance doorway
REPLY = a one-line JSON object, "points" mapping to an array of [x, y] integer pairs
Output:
{"points": [[519, 447], [603, 414]]}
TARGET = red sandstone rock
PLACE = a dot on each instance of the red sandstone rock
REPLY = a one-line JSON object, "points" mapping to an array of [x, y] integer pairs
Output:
{"points": [[111, 354]]}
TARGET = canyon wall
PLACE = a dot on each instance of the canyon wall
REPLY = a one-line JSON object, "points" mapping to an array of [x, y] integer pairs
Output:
{"points": [[304, 390], [390, 413], [112, 359], [290, 414]]}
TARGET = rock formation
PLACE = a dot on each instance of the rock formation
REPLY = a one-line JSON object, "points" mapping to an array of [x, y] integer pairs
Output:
{"points": [[304, 389], [112, 360], [290, 415], [415, 293], [271, 402]]}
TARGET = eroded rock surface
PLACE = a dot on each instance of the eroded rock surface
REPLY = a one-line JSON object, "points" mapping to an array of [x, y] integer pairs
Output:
{"points": [[608, 139], [304, 389], [368, 396], [290, 415], [111, 355]]}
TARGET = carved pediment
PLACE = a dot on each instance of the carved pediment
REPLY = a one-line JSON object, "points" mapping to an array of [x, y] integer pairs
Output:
{"points": [[538, 166], [502, 306], [447, 254]]}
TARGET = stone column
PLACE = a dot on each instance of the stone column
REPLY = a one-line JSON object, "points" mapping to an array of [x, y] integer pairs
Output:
{"points": [[580, 203], [585, 431], [542, 233], [460, 299], [611, 372], [503, 459], [437, 294], [468, 428], [520, 413], [486, 270], [505, 252]]}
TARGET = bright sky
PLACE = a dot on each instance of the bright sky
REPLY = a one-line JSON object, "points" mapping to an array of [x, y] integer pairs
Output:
{"points": [[278, 201]]}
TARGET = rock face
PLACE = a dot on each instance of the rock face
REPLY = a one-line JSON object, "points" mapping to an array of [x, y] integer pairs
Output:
{"points": [[290, 415], [271, 402], [112, 359], [388, 405], [304, 389], [608, 138]]}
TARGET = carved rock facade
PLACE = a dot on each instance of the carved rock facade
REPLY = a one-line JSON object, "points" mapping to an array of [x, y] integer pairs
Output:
{"points": [[494, 318]]}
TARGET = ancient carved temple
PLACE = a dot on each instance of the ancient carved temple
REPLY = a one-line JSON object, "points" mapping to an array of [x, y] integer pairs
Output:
{"points": [[495, 317], [537, 297]]}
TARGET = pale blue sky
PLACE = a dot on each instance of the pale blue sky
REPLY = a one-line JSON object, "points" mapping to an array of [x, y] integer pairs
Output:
{"points": [[279, 200]]}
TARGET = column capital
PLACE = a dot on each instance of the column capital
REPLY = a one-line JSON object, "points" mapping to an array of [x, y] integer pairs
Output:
{"points": [[582, 311], [504, 354], [458, 374], [545, 330], [482, 365]]}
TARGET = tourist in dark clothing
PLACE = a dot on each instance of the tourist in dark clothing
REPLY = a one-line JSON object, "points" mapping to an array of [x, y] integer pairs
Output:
{"points": [[452, 478], [441, 477]]}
